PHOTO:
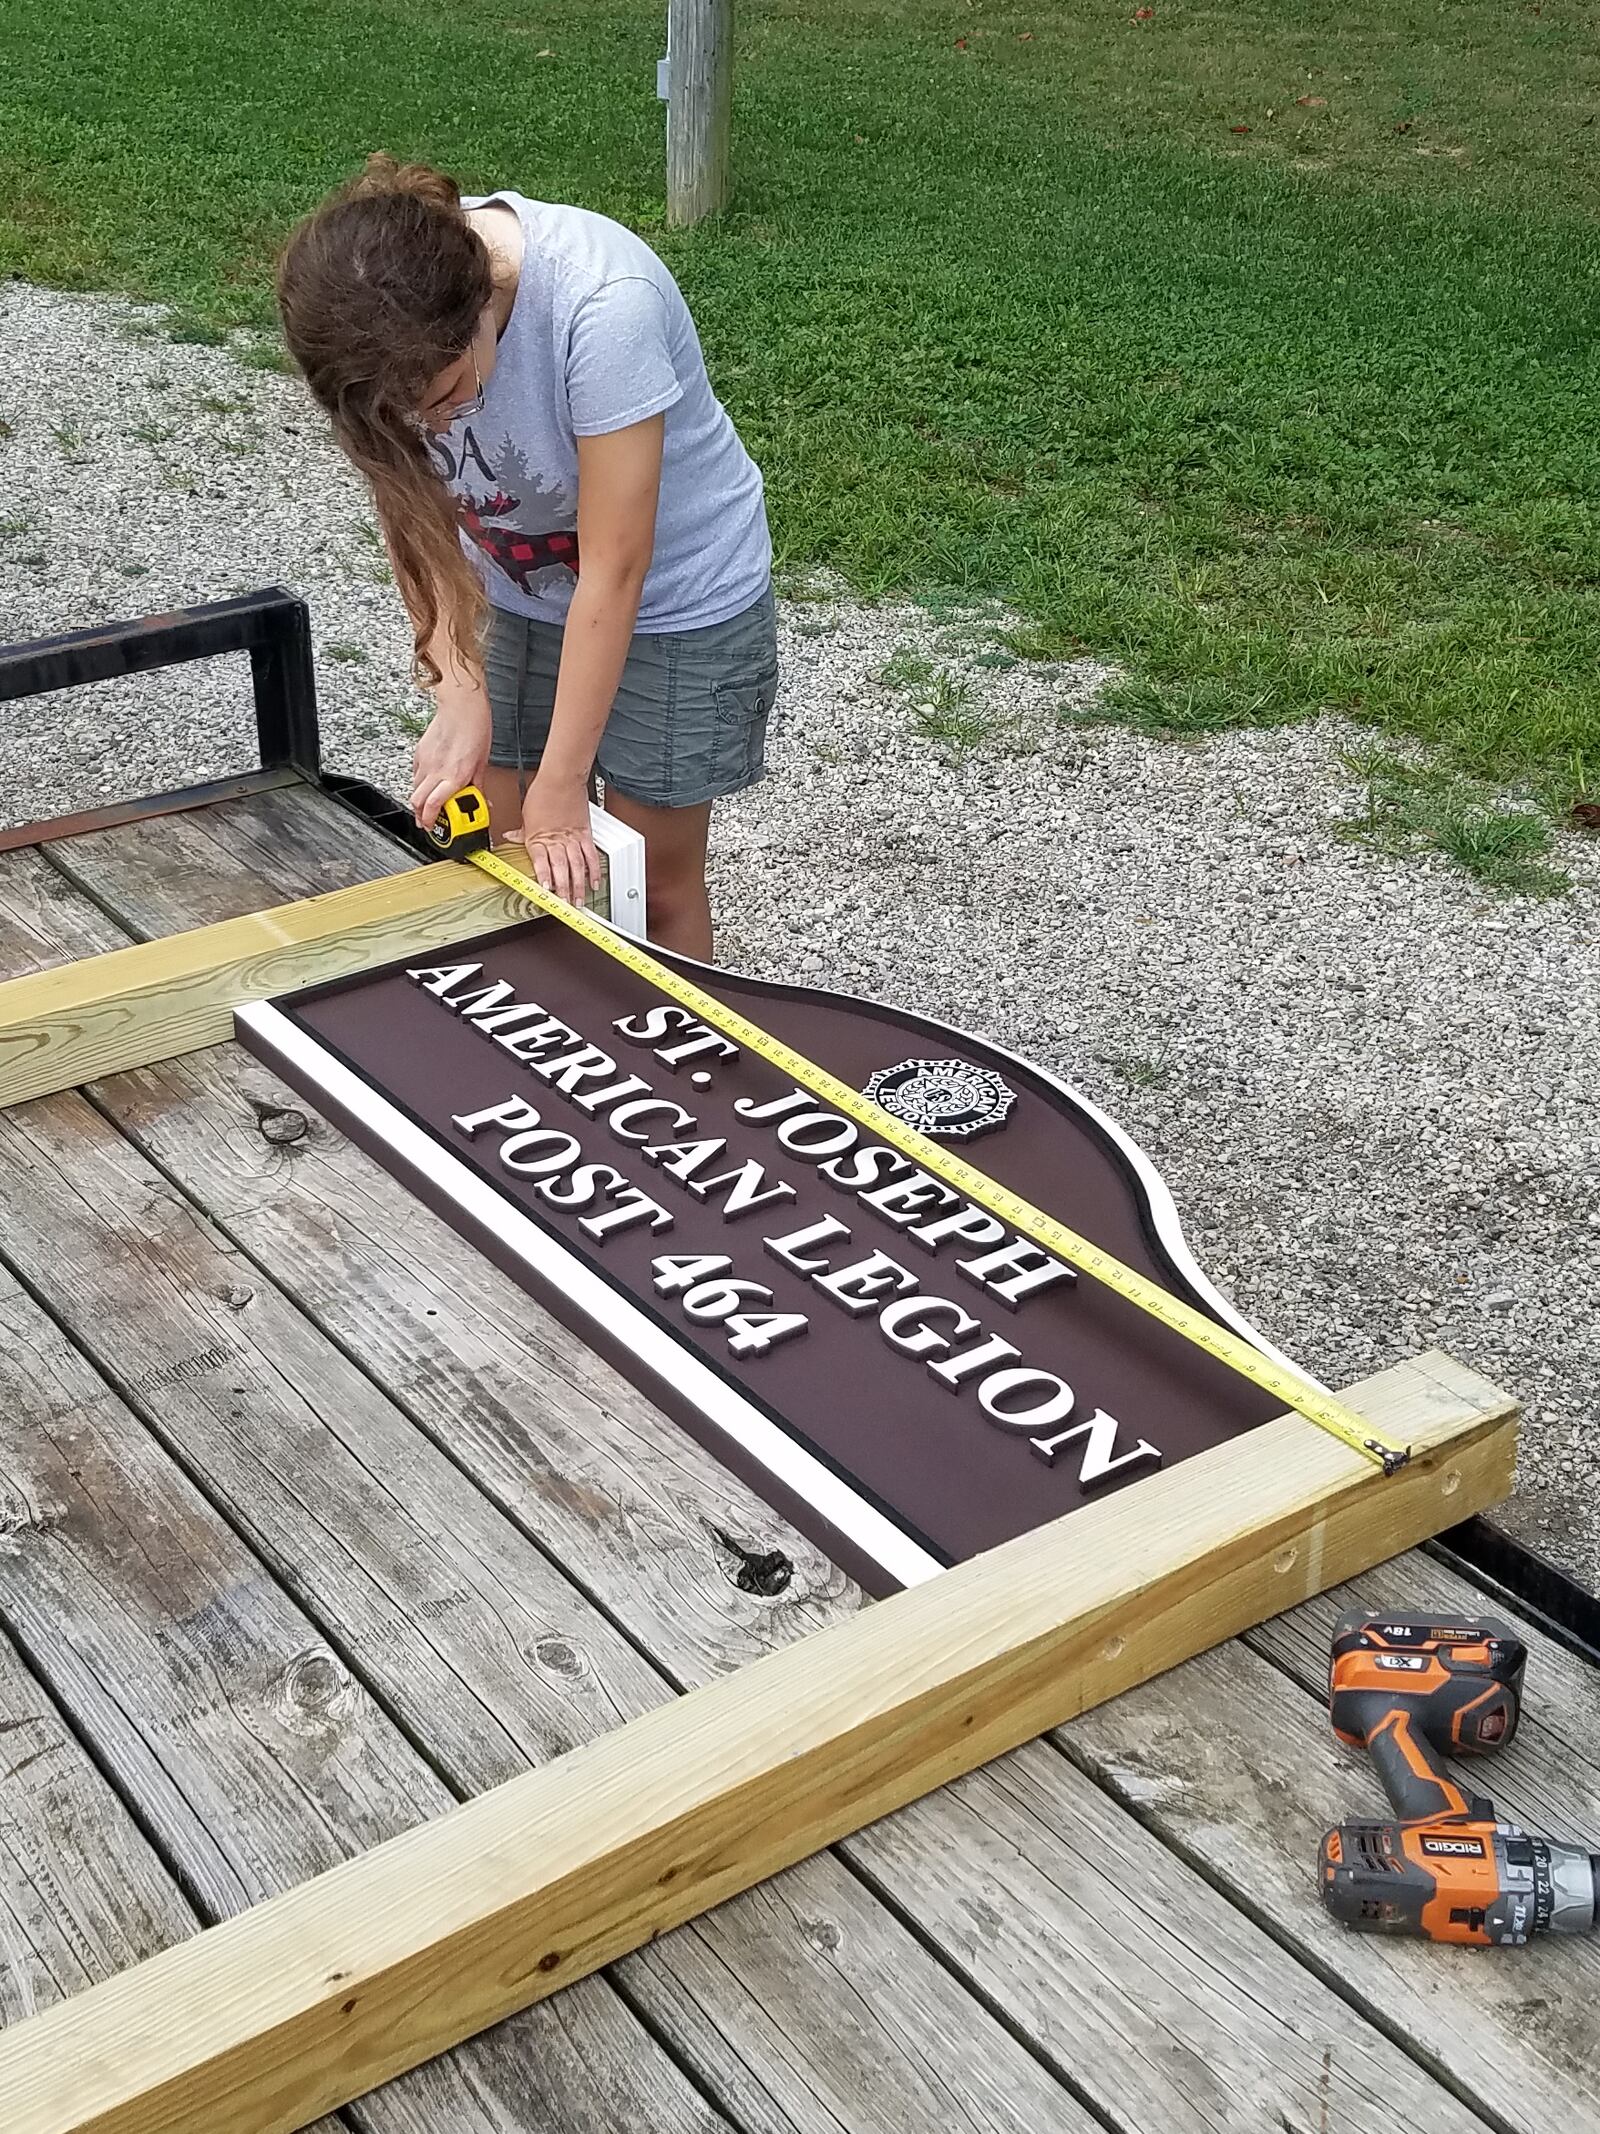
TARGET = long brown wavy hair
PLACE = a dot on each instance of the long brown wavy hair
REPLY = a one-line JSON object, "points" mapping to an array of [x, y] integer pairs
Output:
{"points": [[380, 288]]}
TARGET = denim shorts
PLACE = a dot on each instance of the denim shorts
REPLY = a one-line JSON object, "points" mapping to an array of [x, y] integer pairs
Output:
{"points": [[689, 720]]}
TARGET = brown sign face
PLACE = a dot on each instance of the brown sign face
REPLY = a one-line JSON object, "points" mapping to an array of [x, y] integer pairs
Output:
{"points": [[892, 1366]]}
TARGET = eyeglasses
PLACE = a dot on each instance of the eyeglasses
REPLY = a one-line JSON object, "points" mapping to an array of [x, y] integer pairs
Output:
{"points": [[447, 418]]}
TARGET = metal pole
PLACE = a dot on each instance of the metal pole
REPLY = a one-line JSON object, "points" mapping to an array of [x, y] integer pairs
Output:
{"points": [[699, 108]]}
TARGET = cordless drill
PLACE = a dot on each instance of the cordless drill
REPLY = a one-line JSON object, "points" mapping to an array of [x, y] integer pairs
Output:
{"points": [[1406, 1689]]}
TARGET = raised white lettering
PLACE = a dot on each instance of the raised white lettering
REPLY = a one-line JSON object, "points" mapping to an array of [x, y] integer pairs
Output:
{"points": [[788, 1249], [550, 1035], [1002, 1386], [904, 1199], [442, 978], [582, 1188], [626, 1116], [819, 1133], [774, 1108], [515, 1114], [1026, 1267], [746, 1189], [494, 995], [973, 1226], [507, 1018], [681, 1159], [631, 1207], [858, 1286], [905, 1324], [969, 1362], [651, 1025], [590, 1100], [1098, 1463], [700, 1040], [869, 1166], [567, 1070], [517, 1153]]}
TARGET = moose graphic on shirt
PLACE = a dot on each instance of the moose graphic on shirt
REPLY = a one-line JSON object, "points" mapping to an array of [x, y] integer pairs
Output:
{"points": [[524, 557], [498, 522]]}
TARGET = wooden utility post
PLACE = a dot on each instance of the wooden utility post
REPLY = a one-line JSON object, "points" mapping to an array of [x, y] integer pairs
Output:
{"points": [[699, 108]]}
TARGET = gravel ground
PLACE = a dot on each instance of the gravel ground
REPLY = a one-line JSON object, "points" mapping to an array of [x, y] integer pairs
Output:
{"points": [[1371, 1083]]}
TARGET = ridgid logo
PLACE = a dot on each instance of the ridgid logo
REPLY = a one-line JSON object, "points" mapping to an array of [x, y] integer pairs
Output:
{"points": [[880, 1353]]}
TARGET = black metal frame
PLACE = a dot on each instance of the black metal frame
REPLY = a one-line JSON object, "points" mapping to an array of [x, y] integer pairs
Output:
{"points": [[274, 627]]}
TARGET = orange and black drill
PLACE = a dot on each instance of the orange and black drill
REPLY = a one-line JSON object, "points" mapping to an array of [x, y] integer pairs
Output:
{"points": [[1407, 1689]]}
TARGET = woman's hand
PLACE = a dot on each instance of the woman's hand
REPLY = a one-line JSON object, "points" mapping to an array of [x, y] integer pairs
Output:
{"points": [[453, 752], [555, 829]]}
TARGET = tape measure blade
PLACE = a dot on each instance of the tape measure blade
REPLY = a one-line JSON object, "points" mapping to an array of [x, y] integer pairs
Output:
{"points": [[1033, 1223]]}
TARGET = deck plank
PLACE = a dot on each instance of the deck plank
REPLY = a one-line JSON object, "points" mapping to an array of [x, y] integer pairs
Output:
{"points": [[169, 872], [1234, 1764], [45, 920], [349, 1246], [83, 1894], [253, 1755]]}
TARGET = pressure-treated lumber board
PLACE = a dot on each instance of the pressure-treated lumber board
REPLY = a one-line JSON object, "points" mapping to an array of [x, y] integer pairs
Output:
{"points": [[313, 1998], [149, 1002], [1121, 1963]]}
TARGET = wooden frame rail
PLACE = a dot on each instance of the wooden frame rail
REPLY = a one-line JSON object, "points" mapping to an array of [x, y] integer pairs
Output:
{"points": [[264, 2023], [133, 1006]]}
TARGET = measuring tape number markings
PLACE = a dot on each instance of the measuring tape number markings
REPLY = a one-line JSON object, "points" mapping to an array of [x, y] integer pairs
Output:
{"points": [[462, 831]]}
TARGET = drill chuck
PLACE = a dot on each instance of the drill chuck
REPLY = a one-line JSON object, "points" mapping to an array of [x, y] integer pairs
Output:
{"points": [[1574, 1888]]}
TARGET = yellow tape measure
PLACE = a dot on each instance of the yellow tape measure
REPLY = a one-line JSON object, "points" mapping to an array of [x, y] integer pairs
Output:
{"points": [[462, 830]]}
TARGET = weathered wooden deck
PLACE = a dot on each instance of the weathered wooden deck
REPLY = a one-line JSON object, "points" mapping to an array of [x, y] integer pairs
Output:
{"points": [[310, 1523]]}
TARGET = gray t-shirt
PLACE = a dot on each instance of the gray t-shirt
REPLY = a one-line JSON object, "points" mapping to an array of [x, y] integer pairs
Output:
{"points": [[600, 337]]}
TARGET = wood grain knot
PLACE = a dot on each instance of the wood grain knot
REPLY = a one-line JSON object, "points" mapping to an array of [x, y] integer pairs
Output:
{"points": [[19, 1515], [551, 1961], [558, 1656], [281, 1124], [1287, 1557], [764, 1572], [1451, 1482], [315, 1689]]}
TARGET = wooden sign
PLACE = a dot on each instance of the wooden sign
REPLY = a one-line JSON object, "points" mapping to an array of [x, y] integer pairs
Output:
{"points": [[893, 1368]]}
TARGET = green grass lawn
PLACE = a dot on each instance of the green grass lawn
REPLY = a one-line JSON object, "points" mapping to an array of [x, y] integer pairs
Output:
{"points": [[1254, 349]]}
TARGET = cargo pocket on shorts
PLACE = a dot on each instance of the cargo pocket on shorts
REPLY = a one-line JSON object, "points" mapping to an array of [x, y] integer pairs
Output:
{"points": [[742, 711]]}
